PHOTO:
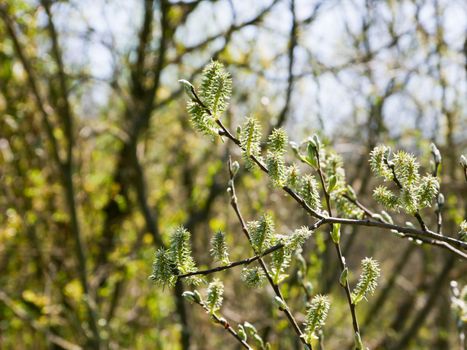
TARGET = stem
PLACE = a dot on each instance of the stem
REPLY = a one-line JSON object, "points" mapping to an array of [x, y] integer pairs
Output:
{"points": [[234, 264], [275, 287], [399, 184], [338, 250], [436, 239], [223, 322]]}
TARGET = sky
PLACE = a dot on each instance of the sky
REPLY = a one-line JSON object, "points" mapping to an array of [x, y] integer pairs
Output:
{"points": [[89, 27]]}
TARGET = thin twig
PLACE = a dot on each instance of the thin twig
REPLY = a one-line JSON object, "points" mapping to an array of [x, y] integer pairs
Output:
{"points": [[338, 251], [431, 241], [234, 264], [425, 235], [416, 233], [275, 287], [399, 184], [223, 322]]}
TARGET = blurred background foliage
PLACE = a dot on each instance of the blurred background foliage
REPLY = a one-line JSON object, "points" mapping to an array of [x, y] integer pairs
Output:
{"points": [[98, 161]]}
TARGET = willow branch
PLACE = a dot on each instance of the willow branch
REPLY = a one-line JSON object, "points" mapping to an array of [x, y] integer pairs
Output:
{"points": [[340, 257], [234, 264], [437, 239], [275, 287], [223, 322]]}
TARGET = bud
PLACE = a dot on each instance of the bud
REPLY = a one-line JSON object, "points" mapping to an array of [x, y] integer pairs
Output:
{"points": [[280, 303], [189, 88], [336, 233], [235, 168], [386, 217], [309, 288], [250, 328], [192, 296], [239, 131], [351, 193], [332, 183], [409, 224], [463, 161], [343, 277], [440, 200], [312, 153], [294, 147], [436, 153], [316, 142], [241, 332]]}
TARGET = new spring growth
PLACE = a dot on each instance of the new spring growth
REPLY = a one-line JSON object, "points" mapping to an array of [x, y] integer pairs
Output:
{"points": [[368, 280], [215, 296], [277, 142], [415, 191], [436, 153], [280, 303], [262, 233], [241, 332], [252, 332], [219, 249], [253, 277], [309, 191], [279, 262], [215, 92], [344, 277], [168, 263], [312, 150], [336, 233], [295, 241], [193, 297], [235, 168], [316, 316], [379, 162], [332, 182], [188, 88], [216, 88], [180, 250], [250, 141], [163, 269]]}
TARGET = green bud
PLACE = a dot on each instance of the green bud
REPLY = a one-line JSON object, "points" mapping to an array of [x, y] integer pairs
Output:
{"points": [[311, 155], [332, 183], [280, 303], [377, 217], [250, 328], [241, 332], [409, 224], [316, 141], [192, 297], [336, 233], [188, 88], [258, 339], [386, 217], [343, 277], [235, 168], [351, 193]]}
